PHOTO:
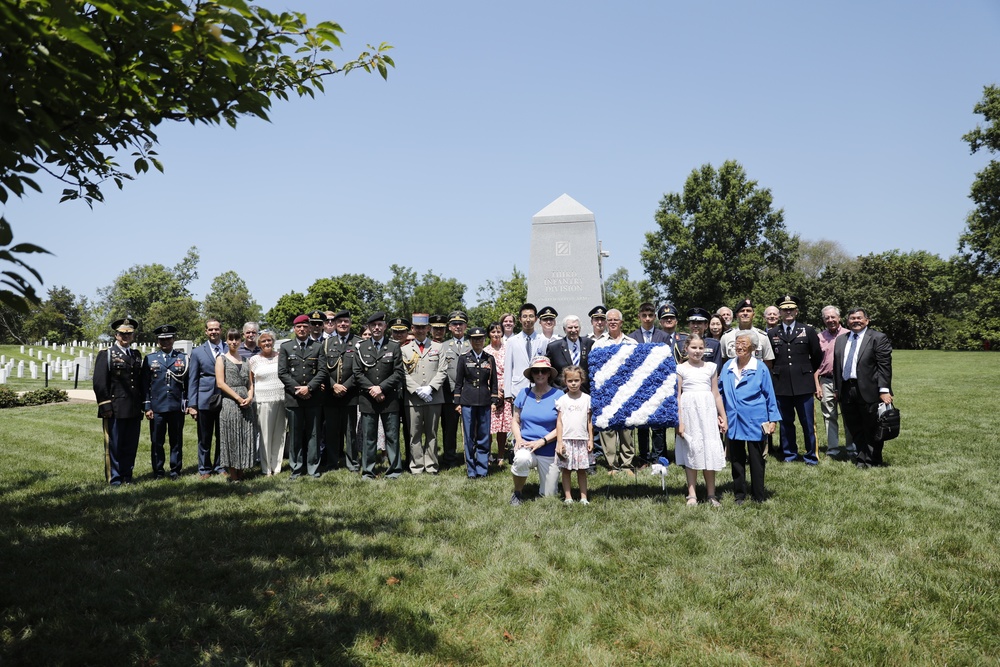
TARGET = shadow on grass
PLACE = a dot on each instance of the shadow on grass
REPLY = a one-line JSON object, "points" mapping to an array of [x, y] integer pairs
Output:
{"points": [[170, 574]]}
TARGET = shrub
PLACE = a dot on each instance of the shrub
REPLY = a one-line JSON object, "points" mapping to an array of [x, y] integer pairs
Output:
{"points": [[9, 398], [43, 396]]}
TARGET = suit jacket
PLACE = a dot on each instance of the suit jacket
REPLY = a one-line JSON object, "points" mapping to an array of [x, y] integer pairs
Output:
{"points": [[874, 367], [476, 381], [424, 369], [559, 354], [301, 368], [384, 369], [659, 336], [337, 360], [796, 358], [201, 377], [117, 383]]}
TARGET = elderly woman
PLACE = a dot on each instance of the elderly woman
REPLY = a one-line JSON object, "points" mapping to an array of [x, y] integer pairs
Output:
{"points": [[751, 414], [534, 430], [269, 393]]}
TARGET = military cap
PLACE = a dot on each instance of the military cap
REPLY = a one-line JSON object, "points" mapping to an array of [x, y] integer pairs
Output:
{"points": [[745, 303], [438, 321], [341, 313], [399, 324], [421, 319], [476, 332], [124, 325], [458, 316], [375, 317], [787, 302], [547, 313], [666, 310], [301, 319], [600, 312], [698, 315], [317, 316], [165, 331]]}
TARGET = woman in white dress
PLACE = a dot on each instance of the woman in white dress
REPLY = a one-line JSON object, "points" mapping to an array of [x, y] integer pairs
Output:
{"points": [[270, 395], [701, 418]]}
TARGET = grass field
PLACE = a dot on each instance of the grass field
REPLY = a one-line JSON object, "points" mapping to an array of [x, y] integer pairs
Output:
{"points": [[893, 566]]}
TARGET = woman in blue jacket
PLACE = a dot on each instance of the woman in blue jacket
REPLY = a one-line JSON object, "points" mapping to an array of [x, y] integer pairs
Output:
{"points": [[751, 412]]}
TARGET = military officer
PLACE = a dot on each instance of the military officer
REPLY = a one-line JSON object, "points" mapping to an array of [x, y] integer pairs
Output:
{"points": [[399, 331], [698, 323], [164, 387], [317, 319], [667, 314], [797, 355], [475, 393], [547, 320], [598, 321], [302, 375], [340, 395], [439, 328], [452, 350], [118, 389], [378, 374], [426, 375]]}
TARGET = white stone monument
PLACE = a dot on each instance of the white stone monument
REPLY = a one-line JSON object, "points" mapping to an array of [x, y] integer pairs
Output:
{"points": [[564, 271]]}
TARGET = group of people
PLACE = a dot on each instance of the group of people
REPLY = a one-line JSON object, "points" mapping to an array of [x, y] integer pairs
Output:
{"points": [[340, 399]]}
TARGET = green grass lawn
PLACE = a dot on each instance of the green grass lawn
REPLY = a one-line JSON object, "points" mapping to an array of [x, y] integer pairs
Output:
{"points": [[893, 566]]}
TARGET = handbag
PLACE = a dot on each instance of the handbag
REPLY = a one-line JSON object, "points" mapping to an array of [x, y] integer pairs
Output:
{"points": [[888, 422], [215, 403]]}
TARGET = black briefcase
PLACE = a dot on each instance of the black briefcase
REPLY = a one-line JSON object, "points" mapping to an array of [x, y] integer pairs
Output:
{"points": [[888, 422]]}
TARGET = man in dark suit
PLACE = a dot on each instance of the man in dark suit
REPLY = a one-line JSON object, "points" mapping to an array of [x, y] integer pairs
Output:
{"points": [[340, 395], [797, 355], [862, 376], [302, 375], [119, 402], [648, 332], [570, 350], [201, 388], [378, 374]]}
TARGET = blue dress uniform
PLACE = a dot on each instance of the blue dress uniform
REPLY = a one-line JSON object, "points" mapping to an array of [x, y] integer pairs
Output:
{"points": [[164, 387], [477, 392], [797, 355], [119, 402]]}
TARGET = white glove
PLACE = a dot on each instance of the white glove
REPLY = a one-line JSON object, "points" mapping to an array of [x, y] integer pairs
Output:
{"points": [[425, 393]]}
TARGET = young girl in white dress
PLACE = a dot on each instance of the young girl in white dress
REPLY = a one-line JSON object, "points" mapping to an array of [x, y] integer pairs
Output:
{"points": [[574, 434], [701, 419]]}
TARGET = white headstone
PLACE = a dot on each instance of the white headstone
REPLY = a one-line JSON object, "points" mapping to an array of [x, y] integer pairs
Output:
{"points": [[34, 371], [20, 369], [22, 349], [84, 364], [3, 376]]}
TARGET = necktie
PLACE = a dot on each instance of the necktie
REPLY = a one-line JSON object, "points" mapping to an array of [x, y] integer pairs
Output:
{"points": [[421, 347], [527, 347], [576, 354], [343, 340], [788, 330], [648, 335], [378, 346], [850, 356], [302, 347]]}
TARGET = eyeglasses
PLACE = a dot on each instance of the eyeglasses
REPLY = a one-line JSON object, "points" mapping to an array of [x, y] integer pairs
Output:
{"points": [[536, 371]]}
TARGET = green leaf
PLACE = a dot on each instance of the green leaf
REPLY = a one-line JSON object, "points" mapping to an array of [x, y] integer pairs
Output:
{"points": [[82, 40]]}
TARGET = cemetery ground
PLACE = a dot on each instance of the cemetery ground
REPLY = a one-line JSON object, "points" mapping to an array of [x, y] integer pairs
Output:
{"points": [[840, 566]]}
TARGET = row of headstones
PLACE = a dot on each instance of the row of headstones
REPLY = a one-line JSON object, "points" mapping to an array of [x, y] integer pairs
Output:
{"points": [[63, 367]]}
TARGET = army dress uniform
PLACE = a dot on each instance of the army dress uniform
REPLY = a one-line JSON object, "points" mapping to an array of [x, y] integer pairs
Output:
{"points": [[379, 363], [340, 412], [299, 366], [426, 375], [118, 390], [164, 386], [477, 392], [452, 349]]}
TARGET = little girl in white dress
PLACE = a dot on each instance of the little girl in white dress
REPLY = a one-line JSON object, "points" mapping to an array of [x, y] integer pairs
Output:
{"points": [[701, 418]]}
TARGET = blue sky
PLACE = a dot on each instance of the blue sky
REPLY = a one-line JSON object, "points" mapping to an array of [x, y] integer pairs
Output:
{"points": [[852, 114]]}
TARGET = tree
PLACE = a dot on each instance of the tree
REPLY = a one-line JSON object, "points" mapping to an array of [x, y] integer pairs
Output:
{"points": [[138, 288], [715, 242], [288, 307], [399, 290], [229, 301], [184, 312], [500, 296], [86, 82], [817, 256], [627, 295], [435, 294], [354, 292], [58, 320], [979, 244]]}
